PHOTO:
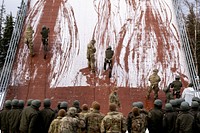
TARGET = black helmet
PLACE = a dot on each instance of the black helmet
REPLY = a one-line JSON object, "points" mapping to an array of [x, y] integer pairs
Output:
{"points": [[184, 106], [47, 102], [155, 70], [76, 103], [7, 103], [158, 102], [15, 102], [173, 103], [168, 107], [63, 104], [177, 77], [29, 102], [44, 27], [195, 104], [21, 104], [109, 47], [36, 103]]}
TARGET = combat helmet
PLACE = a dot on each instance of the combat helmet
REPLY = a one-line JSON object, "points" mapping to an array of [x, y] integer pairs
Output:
{"points": [[155, 70], [184, 106], [173, 103], [76, 104], [195, 105], [47, 102], [36, 103], [158, 103], [15, 102], [7, 103], [29, 102], [177, 77], [168, 107], [21, 104], [64, 105], [196, 99]]}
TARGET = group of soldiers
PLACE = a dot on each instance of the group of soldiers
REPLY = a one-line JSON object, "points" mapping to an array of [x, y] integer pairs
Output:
{"points": [[177, 116], [28, 38], [176, 86], [91, 50]]}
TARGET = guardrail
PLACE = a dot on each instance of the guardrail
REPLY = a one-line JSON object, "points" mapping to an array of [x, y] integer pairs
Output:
{"points": [[8, 64], [186, 46]]}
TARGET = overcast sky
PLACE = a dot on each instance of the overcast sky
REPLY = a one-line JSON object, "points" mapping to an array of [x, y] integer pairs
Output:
{"points": [[11, 6]]}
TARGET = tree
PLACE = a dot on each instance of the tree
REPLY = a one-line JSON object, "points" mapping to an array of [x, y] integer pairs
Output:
{"points": [[193, 30], [7, 33]]}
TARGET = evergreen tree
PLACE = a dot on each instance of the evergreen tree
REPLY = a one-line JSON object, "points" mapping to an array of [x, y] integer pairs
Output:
{"points": [[7, 33], [193, 25]]}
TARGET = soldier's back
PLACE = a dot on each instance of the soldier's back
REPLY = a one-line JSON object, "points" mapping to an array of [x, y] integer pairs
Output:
{"points": [[93, 122]]}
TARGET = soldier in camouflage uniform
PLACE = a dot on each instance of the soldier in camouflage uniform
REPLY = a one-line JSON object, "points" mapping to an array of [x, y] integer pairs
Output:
{"points": [[3, 117], [154, 80], [29, 39], [82, 115], [91, 50], [176, 85], [71, 123], [93, 119], [114, 98], [114, 121], [47, 115], [55, 124]]}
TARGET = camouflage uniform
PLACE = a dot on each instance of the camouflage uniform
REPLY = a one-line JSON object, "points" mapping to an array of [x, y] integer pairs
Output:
{"points": [[176, 85], [71, 123], [93, 121], [114, 98], [55, 125], [154, 80], [29, 39], [108, 57], [113, 122], [91, 50]]}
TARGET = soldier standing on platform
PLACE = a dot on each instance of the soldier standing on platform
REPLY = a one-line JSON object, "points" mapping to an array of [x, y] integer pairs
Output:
{"points": [[29, 39], [154, 80], [91, 50], [108, 57]]}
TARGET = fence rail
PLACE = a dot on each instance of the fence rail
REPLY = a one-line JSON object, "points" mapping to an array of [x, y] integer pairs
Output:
{"points": [[8, 64]]}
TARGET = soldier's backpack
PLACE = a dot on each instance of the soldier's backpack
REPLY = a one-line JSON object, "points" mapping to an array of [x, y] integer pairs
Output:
{"points": [[138, 123]]}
